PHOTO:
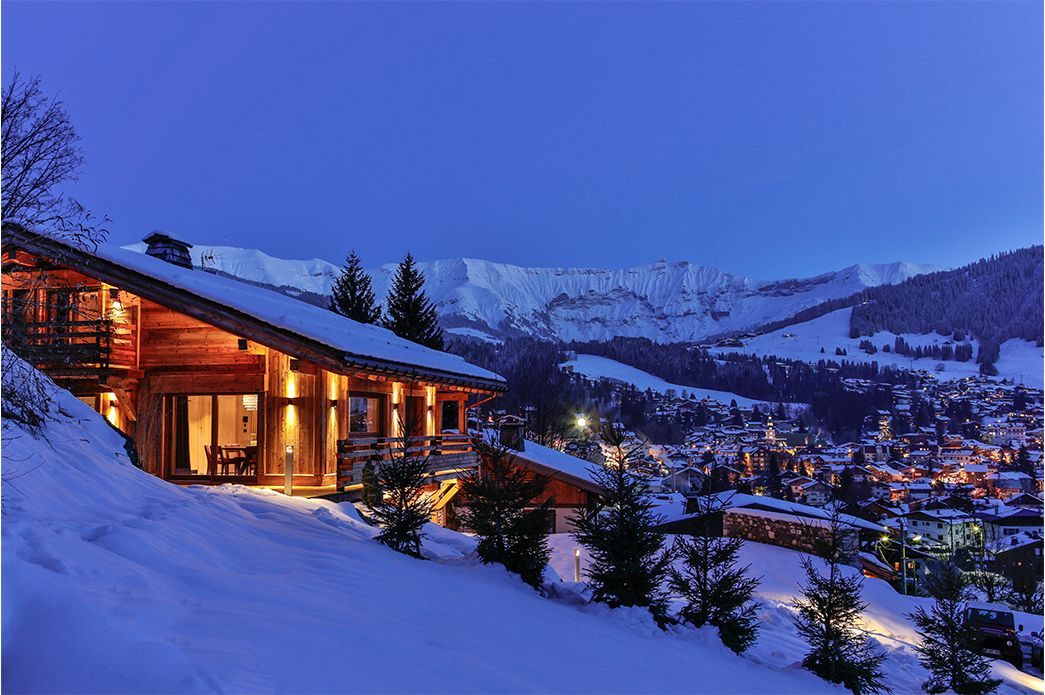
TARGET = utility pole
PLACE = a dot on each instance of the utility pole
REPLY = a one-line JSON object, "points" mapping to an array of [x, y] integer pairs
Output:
{"points": [[903, 553]]}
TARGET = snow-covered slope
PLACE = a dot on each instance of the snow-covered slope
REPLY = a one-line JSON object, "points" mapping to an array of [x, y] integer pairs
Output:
{"points": [[598, 367], [1020, 360], [885, 619], [116, 581], [664, 301]]}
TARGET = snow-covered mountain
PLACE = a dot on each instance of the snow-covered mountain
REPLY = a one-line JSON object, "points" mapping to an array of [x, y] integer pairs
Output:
{"points": [[664, 301]]}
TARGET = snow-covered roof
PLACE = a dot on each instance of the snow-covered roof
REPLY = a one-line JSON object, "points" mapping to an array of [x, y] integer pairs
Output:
{"points": [[748, 504], [357, 342], [558, 461]]}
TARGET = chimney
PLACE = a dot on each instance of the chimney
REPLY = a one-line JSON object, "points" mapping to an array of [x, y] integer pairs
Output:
{"points": [[512, 428], [168, 249]]}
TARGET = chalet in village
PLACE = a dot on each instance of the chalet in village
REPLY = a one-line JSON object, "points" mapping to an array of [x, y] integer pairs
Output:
{"points": [[220, 381]]}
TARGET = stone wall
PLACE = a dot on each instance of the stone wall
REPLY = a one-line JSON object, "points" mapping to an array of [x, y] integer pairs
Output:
{"points": [[787, 532]]}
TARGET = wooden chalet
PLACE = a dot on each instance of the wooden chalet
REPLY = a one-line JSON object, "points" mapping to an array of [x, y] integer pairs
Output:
{"points": [[220, 381]]}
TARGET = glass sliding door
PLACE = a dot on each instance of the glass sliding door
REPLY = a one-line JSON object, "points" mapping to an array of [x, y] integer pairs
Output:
{"points": [[213, 436]]}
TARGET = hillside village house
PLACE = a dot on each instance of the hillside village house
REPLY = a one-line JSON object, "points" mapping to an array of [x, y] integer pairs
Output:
{"points": [[220, 381]]}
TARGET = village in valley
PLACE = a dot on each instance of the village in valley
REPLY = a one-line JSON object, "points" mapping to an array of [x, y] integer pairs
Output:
{"points": [[494, 448], [940, 486]]}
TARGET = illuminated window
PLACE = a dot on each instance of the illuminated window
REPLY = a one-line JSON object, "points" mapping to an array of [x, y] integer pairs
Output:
{"points": [[364, 414]]}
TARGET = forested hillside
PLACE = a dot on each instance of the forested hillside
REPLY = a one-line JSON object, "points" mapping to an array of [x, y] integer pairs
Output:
{"points": [[993, 300]]}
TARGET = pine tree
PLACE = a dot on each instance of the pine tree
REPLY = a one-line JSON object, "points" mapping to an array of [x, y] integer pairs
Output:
{"points": [[1023, 461], [828, 613], [717, 592], [401, 509], [500, 510], [948, 648], [628, 564], [409, 313], [353, 295]]}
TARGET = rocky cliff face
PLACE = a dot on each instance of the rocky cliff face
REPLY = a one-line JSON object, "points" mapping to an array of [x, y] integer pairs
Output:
{"points": [[664, 301]]}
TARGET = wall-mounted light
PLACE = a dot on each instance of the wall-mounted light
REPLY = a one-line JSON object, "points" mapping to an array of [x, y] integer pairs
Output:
{"points": [[115, 304], [333, 402], [295, 365], [242, 343]]}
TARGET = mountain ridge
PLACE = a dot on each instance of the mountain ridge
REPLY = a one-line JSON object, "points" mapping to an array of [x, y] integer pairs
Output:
{"points": [[665, 300]]}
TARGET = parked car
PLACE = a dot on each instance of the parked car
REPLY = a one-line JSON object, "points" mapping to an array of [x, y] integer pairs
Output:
{"points": [[997, 633]]}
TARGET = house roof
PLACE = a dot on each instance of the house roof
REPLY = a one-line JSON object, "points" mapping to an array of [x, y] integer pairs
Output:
{"points": [[560, 465], [268, 317], [748, 504]]}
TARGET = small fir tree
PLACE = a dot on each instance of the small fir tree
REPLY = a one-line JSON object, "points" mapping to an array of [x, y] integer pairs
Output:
{"points": [[500, 510], [397, 502], [353, 294], [828, 613], [409, 313], [948, 648], [628, 564], [717, 592]]}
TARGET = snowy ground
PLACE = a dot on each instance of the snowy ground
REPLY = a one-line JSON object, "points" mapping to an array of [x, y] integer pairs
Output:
{"points": [[597, 367], [115, 581], [1020, 360], [778, 645]]}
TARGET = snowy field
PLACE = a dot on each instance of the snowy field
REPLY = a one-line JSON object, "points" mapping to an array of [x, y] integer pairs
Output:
{"points": [[1020, 360], [116, 581], [596, 367]]}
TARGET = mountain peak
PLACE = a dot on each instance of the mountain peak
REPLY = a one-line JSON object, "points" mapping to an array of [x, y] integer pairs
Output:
{"points": [[663, 300]]}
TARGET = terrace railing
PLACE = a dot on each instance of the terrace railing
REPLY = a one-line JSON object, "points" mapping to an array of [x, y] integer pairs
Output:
{"points": [[447, 454]]}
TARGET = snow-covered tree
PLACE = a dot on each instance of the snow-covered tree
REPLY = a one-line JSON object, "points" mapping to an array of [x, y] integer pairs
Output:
{"points": [[828, 615], [716, 590], [409, 313], [353, 294], [628, 564], [500, 510], [948, 648]]}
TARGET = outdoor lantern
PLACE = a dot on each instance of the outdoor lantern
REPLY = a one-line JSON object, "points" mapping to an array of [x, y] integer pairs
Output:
{"points": [[114, 298]]}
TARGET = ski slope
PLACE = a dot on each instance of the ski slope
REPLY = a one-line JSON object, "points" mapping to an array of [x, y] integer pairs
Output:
{"points": [[1020, 360], [597, 367]]}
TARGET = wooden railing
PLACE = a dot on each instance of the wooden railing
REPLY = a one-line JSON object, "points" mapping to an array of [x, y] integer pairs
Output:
{"points": [[64, 347], [447, 454]]}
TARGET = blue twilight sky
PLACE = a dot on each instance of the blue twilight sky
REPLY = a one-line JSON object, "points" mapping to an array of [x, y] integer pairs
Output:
{"points": [[772, 139]]}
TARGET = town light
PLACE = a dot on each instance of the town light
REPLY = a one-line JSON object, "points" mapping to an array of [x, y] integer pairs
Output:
{"points": [[916, 538], [582, 421]]}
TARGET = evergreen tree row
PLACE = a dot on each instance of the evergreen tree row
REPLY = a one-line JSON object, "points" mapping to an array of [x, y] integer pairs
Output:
{"points": [[409, 313]]}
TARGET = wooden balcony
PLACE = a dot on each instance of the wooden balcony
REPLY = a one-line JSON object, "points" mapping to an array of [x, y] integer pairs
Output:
{"points": [[448, 455], [92, 348]]}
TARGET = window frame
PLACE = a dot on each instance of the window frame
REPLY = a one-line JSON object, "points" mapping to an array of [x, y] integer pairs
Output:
{"points": [[379, 419]]}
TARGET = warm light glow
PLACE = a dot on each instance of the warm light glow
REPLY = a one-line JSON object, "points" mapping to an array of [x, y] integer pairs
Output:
{"points": [[916, 538], [292, 386], [582, 422], [289, 449], [885, 537]]}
